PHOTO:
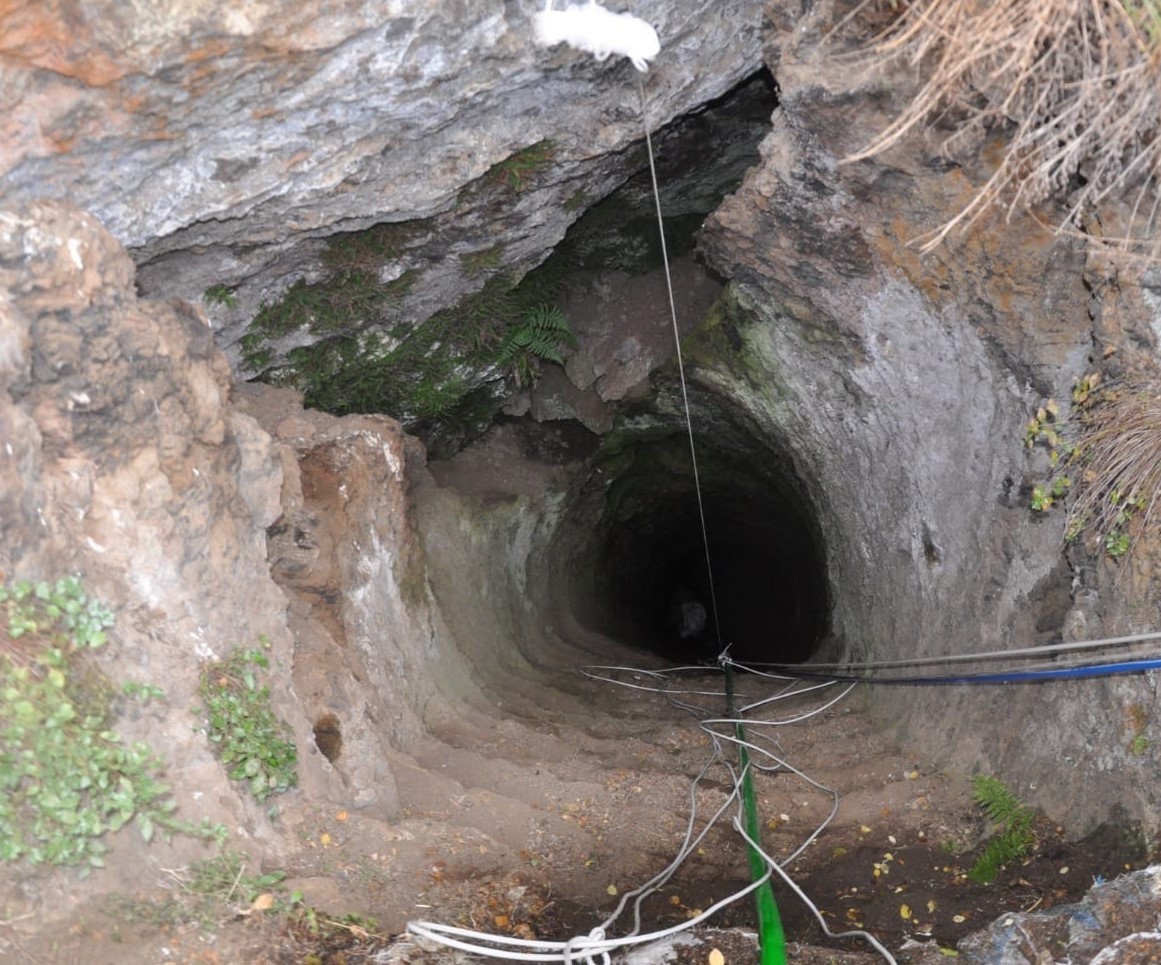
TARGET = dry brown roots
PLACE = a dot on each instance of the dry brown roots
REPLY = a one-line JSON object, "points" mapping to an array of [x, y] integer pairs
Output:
{"points": [[1076, 84]]}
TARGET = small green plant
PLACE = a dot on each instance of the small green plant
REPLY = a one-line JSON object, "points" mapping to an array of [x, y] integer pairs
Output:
{"points": [[1014, 820], [223, 879], [1045, 426], [143, 692], [66, 779], [220, 295], [1112, 449], [1044, 497], [249, 739], [1139, 745], [1116, 543], [540, 333], [1138, 719]]}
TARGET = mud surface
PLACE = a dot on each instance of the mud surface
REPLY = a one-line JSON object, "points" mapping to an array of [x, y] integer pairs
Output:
{"points": [[493, 839]]}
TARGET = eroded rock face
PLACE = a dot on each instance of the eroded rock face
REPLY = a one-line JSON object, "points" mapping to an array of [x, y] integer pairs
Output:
{"points": [[902, 385], [219, 141], [367, 631], [227, 143], [123, 463]]}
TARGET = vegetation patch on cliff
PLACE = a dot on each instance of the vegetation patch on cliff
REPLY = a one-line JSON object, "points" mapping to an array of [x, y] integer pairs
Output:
{"points": [[446, 378], [362, 277], [66, 778], [249, 739], [1075, 87], [1105, 457]]}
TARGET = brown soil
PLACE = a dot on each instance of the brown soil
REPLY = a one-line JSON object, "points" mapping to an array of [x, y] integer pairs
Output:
{"points": [[527, 829]]}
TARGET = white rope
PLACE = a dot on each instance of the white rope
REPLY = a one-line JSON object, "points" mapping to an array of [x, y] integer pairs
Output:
{"points": [[680, 363], [596, 947]]}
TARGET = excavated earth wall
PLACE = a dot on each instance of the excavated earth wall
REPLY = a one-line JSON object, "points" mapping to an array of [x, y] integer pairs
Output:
{"points": [[222, 145]]}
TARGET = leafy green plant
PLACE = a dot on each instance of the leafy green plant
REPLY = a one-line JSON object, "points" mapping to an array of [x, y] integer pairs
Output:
{"points": [[143, 692], [1014, 820], [1044, 497], [247, 735], [220, 295], [1116, 543], [67, 779], [540, 333]]}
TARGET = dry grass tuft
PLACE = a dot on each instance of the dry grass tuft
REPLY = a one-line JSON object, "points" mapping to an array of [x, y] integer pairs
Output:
{"points": [[1117, 463], [1076, 84]]}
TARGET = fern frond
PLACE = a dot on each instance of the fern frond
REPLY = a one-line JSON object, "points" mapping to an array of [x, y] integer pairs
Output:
{"points": [[538, 335], [998, 802], [1005, 809]]}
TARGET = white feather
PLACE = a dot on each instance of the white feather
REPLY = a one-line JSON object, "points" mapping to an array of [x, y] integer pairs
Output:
{"points": [[600, 32]]}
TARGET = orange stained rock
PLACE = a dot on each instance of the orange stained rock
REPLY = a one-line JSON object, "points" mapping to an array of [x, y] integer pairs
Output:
{"points": [[55, 35]]}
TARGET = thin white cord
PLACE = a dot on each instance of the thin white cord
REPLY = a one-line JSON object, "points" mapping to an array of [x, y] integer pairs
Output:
{"points": [[680, 363], [595, 948], [776, 866]]}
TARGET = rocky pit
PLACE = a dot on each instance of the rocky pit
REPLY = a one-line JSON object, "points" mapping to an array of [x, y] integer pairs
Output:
{"points": [[858, 414]]}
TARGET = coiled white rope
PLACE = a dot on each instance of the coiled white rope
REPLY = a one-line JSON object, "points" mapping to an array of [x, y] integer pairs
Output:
{"points": [[596, 947]]}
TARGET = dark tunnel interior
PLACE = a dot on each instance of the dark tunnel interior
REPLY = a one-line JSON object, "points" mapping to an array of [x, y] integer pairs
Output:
{"points": [[650, 581]]}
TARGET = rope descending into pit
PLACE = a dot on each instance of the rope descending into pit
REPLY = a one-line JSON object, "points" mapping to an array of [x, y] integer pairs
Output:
{"points": [[709, 569], [755, 752], [764, 754], [771, 937]]}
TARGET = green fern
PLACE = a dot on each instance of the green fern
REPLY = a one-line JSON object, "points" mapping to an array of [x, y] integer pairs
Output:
{"points": [[1003, 808], [539, 334]]}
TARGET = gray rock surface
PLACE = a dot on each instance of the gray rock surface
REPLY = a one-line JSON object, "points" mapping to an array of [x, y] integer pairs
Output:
{"points": [[901, 386], [122, 463], [219, 141], [1115, 923]]}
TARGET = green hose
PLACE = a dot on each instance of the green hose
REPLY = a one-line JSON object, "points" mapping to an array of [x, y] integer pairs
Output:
{"points": [[771, 938]]}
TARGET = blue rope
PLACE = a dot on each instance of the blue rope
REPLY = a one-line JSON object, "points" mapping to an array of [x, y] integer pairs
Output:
{"points": [[1011, 677]]}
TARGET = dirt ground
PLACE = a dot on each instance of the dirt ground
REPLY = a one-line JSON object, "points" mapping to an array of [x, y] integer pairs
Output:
{"points": [[532, 830]]}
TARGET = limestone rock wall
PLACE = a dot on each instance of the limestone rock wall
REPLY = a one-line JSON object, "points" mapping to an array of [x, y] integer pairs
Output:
{"points": [[366, 626], [123, 463], [902, 385], [123, 460], [221, 141]]}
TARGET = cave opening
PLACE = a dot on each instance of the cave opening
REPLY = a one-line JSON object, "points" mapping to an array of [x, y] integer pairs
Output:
{"points": [[645, 580], [635, 563]]}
